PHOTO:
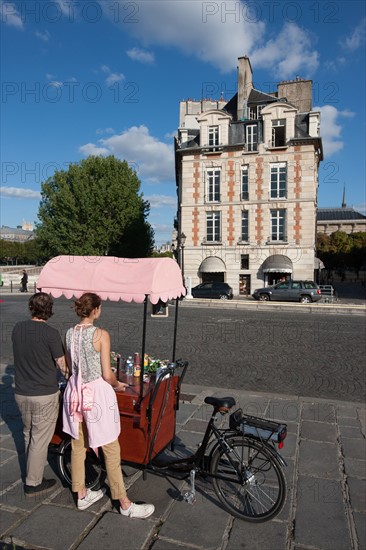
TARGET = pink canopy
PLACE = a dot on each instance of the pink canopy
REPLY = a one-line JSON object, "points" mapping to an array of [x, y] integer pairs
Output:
{"points": [[113, 278]]}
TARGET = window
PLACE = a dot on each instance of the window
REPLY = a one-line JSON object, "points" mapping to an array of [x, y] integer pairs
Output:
{"points": [[245, 225], [244, 261], [245, 183], [255, 112], [213, 185], [252, 137], [278, 181], [279, 132], [213, 136], [213, 229], [278, 225]]}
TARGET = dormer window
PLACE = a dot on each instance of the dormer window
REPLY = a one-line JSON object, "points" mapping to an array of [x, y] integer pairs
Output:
{"points": [[213, 136], [279, 132], [255, 112]]}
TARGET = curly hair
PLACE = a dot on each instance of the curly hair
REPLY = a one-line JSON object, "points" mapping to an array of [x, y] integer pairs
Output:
{"points": [[86, 303], [40, 305]]}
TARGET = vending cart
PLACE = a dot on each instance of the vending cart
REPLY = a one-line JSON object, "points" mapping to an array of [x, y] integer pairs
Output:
{"points": [[148, 407]]}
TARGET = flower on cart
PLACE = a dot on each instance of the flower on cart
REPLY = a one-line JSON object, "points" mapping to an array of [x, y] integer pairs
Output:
{"points": [[151, 364], [114, 359]]}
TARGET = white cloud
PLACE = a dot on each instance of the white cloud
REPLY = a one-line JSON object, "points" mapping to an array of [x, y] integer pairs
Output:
{"points": [[111, 77], [331, 129], [357, 38], [92, 149], [159, 201], [289, 53], [141, 55], [152, 159], [219, 33], [10, 15], [19, 193], [43, 35]]}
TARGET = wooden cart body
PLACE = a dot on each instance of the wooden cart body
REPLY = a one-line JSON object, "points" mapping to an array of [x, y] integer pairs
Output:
{"points": [[148, 409]]}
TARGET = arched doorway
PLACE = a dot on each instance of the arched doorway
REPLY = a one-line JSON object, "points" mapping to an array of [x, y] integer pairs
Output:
{"points": [[212, 269], [276, 268]]}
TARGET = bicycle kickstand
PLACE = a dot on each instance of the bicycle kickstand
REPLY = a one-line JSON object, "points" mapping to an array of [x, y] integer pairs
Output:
{"points": [[190, 496]]}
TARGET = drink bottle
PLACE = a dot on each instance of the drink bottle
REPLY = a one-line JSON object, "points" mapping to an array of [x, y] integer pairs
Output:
{"points": [[136, 365]]}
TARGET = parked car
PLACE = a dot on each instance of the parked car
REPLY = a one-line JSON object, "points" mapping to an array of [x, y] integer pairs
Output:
{"points": [[213, 290], [305, 292]]}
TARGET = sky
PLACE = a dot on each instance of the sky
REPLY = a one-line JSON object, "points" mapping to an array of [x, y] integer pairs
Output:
{"points": [[106, 77]]}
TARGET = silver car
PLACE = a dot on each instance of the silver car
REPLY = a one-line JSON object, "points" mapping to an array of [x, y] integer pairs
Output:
{"points": [[305, 292]]}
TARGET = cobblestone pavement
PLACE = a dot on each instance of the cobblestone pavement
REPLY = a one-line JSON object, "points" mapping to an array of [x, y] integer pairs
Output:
{"points": [[325, 507]]}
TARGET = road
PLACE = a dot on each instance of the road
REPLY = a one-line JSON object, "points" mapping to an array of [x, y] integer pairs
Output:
{"points": [[320, 356]]}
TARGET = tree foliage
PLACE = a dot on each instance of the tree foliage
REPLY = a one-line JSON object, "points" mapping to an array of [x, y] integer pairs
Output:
{"points": [[94, 208], [341, 250]]}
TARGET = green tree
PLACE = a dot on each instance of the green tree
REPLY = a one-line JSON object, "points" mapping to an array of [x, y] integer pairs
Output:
{"points": [[94, 208]]}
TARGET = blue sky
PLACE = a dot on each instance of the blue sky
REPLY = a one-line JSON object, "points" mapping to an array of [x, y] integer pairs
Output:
{"points": [[106, 77]]}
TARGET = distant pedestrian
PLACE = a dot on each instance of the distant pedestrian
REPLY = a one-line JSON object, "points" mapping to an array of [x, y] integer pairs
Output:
{"points": [[24, 282], [38, 351]]}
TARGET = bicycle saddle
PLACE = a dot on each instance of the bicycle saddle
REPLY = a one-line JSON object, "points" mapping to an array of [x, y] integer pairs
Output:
{"points": [[220, 402]]}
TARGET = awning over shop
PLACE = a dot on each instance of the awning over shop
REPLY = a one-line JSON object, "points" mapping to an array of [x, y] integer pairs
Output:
{"points": [[212, 264], [318, 264], [277, 264]]}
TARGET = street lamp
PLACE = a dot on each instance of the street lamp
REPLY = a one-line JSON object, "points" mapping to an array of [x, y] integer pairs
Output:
{"points": [[181, 243]]}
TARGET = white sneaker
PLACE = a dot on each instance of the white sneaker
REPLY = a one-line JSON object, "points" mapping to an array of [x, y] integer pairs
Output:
{"points": [[90, 498], [141, 511]]}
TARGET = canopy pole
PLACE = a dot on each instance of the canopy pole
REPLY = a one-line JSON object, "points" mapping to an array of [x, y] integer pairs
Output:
{"points": [[175, 328], [142, 359]]}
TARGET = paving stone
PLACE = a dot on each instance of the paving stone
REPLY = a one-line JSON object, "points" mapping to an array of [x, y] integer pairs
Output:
{"points": [[346, 421], [355, 467], [289, 448], [184, 412], [249, 536], [357, 489], [360, 523], [5, 454], [163, 544], [7, 519], [253, 405], [320, 520], [195, 425], [52, 527], [10, 471], [318, 431], [203, 525], [353, 448], [289, 475], [318, 459], [318, 412], [347, 411], [352, 432], [159, 489], [283, 410], [116, 531]]}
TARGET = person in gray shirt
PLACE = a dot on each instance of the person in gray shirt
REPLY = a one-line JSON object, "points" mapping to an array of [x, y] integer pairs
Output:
{"points": [[38, 353]]}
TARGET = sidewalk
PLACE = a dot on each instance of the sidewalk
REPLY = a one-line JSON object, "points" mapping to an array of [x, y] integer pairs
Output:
{"points": [[326, 476]]}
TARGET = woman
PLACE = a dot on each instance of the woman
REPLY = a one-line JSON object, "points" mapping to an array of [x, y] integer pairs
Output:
{"points": [[90, 412]]}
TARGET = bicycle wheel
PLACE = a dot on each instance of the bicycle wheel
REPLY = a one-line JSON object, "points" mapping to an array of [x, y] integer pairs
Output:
{"points": [[93, 466], [250, 482]]}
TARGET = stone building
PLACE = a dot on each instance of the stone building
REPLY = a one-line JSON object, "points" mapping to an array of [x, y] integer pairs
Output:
{"points": [[247, 180]]}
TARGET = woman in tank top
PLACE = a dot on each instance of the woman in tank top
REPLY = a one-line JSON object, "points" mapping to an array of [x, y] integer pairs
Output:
{"points": [[90, 411]]}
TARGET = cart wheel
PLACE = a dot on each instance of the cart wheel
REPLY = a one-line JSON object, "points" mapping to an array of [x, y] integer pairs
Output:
{"points": [[93, 466]]}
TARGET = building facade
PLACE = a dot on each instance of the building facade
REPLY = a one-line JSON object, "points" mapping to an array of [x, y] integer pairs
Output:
{"points": [[247, 180], [344, 219]]}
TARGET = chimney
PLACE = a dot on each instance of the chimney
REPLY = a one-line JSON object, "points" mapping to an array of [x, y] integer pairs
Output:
{"points": [[245, 85]]}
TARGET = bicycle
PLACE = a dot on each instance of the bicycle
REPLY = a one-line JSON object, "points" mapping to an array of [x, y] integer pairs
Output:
{"points": [[242, 460]]}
